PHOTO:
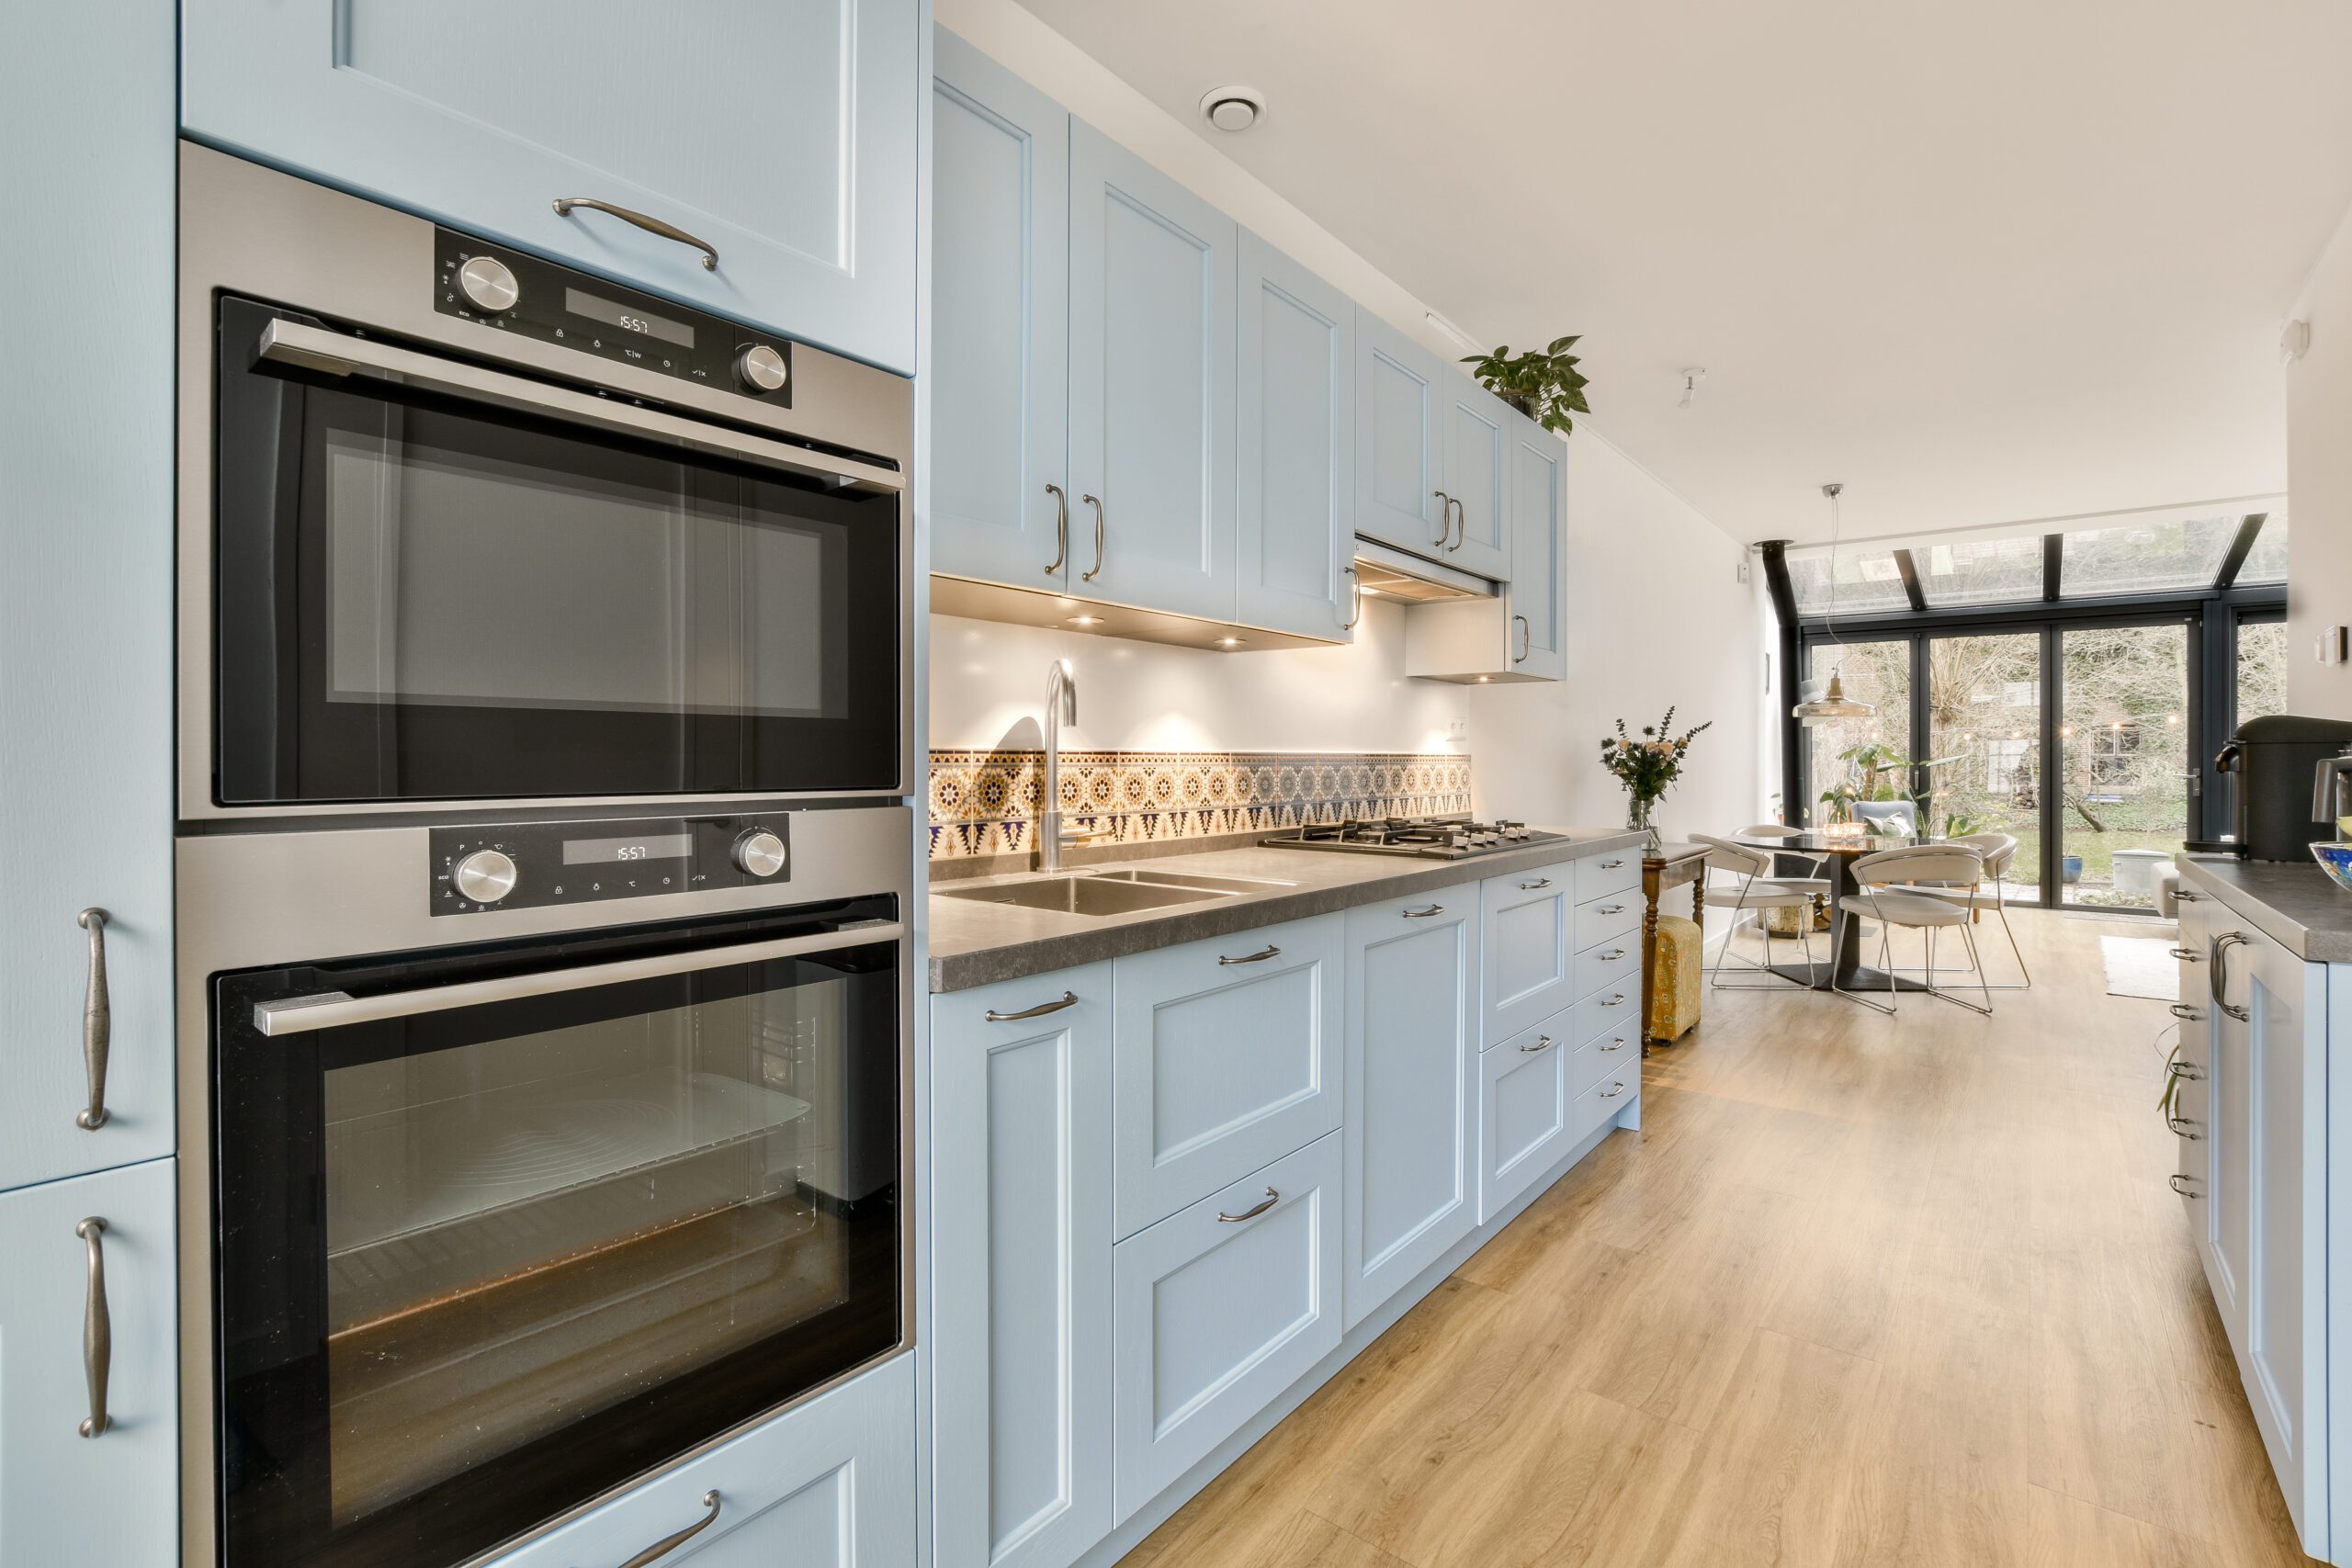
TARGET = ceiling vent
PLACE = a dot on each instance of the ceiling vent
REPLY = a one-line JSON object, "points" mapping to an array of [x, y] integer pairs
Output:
{"points": [[1233, 109]]}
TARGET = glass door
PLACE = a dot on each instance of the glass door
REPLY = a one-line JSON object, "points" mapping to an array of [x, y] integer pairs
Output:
{"points": [[502, 1231], [1984, 745], [2121, 791], [1858, 768]]}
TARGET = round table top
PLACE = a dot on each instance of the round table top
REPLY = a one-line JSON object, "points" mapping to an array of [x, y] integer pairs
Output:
{"points": [[1852, 844]]}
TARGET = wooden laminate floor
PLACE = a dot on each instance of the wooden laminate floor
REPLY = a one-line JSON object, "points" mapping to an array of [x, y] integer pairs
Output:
{"points": [[1863, 1292]]}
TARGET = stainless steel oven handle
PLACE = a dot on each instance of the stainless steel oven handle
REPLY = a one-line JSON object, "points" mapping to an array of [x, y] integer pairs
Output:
{"points": [[336, 353], [334, 1010]]}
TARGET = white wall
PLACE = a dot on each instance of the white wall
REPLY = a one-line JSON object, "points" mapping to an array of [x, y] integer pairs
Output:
{"points": [[2319, 485], [1656, 613], [1658, 616]]}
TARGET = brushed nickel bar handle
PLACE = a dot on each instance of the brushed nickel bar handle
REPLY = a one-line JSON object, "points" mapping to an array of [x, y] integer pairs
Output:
{"points": [[2180, 1125], [1612, 908], [1526, 640], [2188, 955], [1444, 519], [2179, 1069], [1068, 999], [1270, 1198], [332, 1010], [97, 1325], [336, 353], [1061, 527], [1542, 1042], [97, 1023], [1610, 864], [670, 1543], [1355, 595], [1095, 501], [564, 204], [2175, 1181], [1615, 1089], [1612, 955], [1424, 914], [2184, 1012], [1616, 999], [1461, 514], [1616, 1044], [1271, 952], [2219, 980], [1546, 882]]}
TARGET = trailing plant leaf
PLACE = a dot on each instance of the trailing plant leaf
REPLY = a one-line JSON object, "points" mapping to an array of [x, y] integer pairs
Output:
{"points": [[1547, 380]]}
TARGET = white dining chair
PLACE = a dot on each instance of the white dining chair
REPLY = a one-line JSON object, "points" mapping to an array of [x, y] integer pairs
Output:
{"points": [[1881, 896], [1754, 891], [1998, 850], [1818, 878]]}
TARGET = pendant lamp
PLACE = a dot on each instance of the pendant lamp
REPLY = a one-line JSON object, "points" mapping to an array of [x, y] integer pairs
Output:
{"points": [[1833, 703]]}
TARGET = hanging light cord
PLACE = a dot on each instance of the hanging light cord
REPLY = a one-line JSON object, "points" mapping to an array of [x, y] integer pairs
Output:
{"points": [[1829, 616]]}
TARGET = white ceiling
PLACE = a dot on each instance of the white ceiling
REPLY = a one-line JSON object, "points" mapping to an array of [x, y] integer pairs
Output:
{"points": [[1983, 263]]}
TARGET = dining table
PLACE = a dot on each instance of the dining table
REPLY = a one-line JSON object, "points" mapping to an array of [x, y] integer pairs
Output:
{"points": [[1844, 969]]}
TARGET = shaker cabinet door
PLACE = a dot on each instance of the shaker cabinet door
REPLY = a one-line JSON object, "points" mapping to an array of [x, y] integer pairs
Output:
{"points": [[999, 292], [1151, 341], [1400, 453], [781, 132], [91, 1250], [1296, 433], [1412, 1020], [1539, 462], [1021, 1248], [1477, 478]]}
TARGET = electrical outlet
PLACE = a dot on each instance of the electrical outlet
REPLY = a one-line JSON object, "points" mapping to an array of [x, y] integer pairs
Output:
{"points": [[1457, 731]]}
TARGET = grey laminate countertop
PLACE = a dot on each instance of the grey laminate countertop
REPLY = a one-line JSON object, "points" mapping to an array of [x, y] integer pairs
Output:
{"points": [[975, 943], [2296, 905]]}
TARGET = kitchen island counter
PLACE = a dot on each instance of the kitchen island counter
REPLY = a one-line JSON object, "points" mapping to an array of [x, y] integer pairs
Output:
{"points": [[2294, 904]]}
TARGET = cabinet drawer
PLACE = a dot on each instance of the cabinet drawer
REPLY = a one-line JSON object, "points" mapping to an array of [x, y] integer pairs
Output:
{"points": [[1615, 1052], [1611, 914], [830, 1483], [1617, 1010], [1524, 1103], [1610, 1092], [1226, 1054], [1528, 939], [1218, 1309], [1614, 965], [1611, 870]]}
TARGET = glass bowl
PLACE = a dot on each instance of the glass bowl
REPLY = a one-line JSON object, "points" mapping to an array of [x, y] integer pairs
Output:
{"points": [[2336, 861]]}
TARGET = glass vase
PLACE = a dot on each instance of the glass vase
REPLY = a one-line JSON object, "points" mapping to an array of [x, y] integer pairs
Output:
{"points": [[1641, 818]]}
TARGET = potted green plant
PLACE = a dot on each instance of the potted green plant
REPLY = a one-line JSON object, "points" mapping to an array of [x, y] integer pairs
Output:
{"points": [[1544, 384], [1647, 767]]}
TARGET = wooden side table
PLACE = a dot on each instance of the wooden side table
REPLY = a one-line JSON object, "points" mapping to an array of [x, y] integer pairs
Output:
{"points": [[1669, 865]]}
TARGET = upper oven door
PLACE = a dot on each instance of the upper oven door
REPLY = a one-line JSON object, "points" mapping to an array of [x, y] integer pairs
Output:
{"points": [[438, 580]]}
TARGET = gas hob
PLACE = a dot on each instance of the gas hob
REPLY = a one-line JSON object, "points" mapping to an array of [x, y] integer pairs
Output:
{"points": [[1426, 838]]}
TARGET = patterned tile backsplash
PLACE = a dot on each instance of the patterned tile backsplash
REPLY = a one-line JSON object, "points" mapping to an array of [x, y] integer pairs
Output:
{"points": [[986, 803]]}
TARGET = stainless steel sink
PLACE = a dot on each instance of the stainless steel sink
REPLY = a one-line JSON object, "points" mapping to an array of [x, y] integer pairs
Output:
{"points": [[1085, 895], [1195, 879]]}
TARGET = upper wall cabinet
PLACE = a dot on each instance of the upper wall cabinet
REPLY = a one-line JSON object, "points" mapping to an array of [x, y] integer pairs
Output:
{"points": [[999, 371], [1297, 438], [781, 132], [1539, 533], [1400, 451], [1477, 478], [1151, 346]]}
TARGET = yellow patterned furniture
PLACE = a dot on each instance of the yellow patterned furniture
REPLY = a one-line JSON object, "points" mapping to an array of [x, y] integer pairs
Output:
{"points": [[1674, 971]]}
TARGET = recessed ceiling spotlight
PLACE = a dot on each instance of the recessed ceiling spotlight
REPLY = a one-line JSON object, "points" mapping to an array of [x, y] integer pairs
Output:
{"points": [[1230, 641], [1084, 621], [1233, 109]]}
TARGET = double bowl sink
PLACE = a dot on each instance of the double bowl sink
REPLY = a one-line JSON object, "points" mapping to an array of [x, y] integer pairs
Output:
{"points": [[1112, 892]]}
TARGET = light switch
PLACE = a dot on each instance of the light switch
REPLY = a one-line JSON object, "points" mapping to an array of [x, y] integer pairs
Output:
{"points": [[2335, 645]]}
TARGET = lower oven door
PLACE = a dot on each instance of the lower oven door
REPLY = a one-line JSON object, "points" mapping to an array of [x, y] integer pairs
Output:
{"points": [[498, 1232]]}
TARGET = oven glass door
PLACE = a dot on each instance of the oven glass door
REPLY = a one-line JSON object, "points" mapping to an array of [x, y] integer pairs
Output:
{"points": [[419, 596], [477, 1264]]}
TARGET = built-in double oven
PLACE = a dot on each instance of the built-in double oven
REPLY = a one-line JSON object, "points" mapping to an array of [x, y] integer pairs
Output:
{"points": [[545, 973]]}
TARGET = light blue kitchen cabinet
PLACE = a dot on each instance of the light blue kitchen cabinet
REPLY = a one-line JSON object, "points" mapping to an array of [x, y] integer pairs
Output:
{"points": [[1021, 1244], [1477, 477], [1539, 549], [1412, 1026], [1527, 948], [1400, 434], [1219, 1308], [783, 134], [89, 1251], [1153, 274], [1525, 1094], [999, 363], [1226, 1056], [85, 605], [828, 1484], [1295, 440]]}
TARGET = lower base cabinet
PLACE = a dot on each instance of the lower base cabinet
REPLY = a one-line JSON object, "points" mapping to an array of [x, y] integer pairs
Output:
{"points": [[1218, 1308], [89, 1249], [830, 1484], [1525, 1102]]}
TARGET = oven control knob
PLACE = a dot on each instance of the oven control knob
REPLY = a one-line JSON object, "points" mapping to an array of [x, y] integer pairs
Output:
{"points": [[761, 369], [759, 852], [485, 877], [489, 284]]}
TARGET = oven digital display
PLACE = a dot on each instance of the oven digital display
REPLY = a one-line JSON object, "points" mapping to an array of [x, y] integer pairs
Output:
{"points": [[582, 303], [614, 851]]}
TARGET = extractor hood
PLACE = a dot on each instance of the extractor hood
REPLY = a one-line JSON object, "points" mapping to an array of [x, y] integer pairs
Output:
{"points": [[1397, 574]]}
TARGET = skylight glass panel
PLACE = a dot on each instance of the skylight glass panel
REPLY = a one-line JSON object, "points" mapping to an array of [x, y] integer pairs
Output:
{"points": [[1868, 583], [2267, 562], [2146, 557], [1979, 571]]}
